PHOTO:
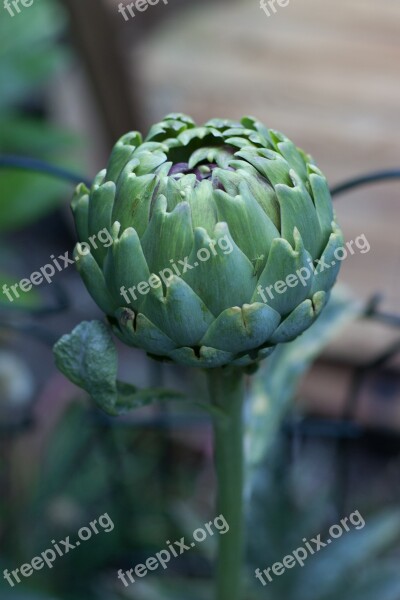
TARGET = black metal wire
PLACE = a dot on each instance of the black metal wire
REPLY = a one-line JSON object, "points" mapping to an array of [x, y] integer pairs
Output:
{"points": [[36, 165], [41, 166], [61, 302], [366, 179]]}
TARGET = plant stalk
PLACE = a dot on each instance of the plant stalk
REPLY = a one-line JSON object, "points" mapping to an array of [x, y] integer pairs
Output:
{"points": [[227, 393]]}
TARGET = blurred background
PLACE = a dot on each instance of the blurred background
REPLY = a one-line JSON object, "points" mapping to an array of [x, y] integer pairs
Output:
{"points": [[74, 76]]}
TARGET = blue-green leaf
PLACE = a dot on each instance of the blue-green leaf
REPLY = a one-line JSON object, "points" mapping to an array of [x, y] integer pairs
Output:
{"points": [[274, 385]]}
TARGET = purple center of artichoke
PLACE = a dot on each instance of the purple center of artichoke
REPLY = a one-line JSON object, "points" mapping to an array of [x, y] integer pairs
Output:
{"points": [[202, 172]]}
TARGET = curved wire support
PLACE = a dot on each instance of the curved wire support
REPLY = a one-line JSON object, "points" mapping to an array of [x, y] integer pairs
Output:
{"points": [[366, 179], [35, 165], [41, 166]]}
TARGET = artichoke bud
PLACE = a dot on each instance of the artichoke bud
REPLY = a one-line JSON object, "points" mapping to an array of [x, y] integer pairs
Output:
{"points": [[215, 234]]}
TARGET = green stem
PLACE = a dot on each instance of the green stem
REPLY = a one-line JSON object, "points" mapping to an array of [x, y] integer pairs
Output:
{"points": [[227, 392]]}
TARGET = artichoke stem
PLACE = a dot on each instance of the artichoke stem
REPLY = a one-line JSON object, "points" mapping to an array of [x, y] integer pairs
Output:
{"points": [[227, 392]]}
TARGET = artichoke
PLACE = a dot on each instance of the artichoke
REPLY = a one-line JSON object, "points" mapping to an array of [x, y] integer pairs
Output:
{"points": [[222, 241]]}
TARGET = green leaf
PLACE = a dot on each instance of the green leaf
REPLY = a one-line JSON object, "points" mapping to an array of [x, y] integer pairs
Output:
{"points": [[88, 358], [9, 594], [381, 580], [213, 411], [33, 137], [130, 397], [28, 53], [346, 556], [70, 443], [276, 382], [26, 197], [26, 299], [172, 589]]}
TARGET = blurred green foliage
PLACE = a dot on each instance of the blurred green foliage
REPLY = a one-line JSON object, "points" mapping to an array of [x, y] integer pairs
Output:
{"points": [[90, 468], [145, 480], [29, 55], [357, 566], [361, 564], [275, 384], [28, 300]]}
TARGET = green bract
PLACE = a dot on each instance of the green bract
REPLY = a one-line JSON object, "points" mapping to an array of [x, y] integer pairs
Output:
{"points": [[223, 241]]}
